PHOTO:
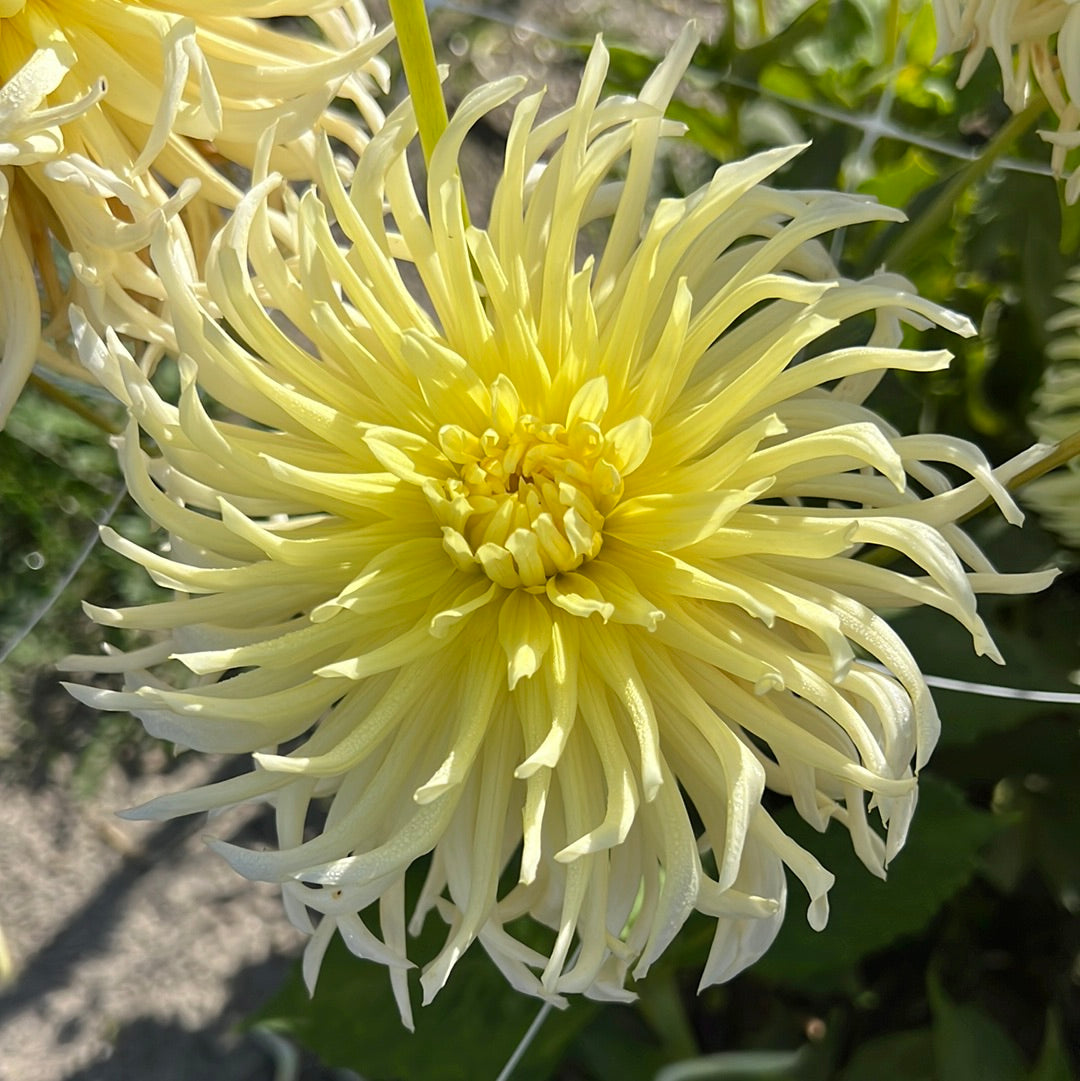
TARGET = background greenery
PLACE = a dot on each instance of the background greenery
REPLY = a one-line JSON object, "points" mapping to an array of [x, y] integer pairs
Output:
{"points": [[963, 966]]}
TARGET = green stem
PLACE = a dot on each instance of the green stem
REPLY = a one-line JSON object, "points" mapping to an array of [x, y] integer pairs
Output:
{"points": [[892, 30], [71, 403], [762, 19], [421, 74], [920, 235], [1063, 452]]}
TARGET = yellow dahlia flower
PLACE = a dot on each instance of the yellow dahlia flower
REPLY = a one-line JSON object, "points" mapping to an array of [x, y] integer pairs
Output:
{"points": [[1035, 42], [107, 107], [1057, 416], [538, 561]]}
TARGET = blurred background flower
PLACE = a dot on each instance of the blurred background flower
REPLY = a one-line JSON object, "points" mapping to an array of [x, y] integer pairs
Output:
{"points": [[114, 113], [1037, 46]]}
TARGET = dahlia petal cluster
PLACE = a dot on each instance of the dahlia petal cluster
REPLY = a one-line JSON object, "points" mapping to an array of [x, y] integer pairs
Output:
{"points": [[114, 114], [1036, 43], [1057, 416], [527, 553]]}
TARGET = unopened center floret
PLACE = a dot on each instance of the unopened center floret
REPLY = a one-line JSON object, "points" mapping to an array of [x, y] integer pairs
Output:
{"points": [[529, 503]]}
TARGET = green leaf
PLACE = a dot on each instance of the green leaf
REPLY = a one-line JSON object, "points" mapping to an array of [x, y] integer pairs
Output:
{"points": [[852, 37], [468, 1032], [898, 183], [735, 1066], [920, 46], [866, 913], [968, 1045], [788, 82], [899, 1056], [1040, 775], [710, 129]]}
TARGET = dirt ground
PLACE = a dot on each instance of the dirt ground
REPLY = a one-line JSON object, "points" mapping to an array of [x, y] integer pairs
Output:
{"points": [[137, 951]]}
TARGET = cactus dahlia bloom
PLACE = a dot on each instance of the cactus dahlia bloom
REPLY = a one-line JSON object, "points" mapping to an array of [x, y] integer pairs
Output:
{"points": [[1034, 41], [107, 107], [538, 565], [1057, 416]]}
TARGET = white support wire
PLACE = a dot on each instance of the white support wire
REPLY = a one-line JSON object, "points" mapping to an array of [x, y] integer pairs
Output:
{"points": [[524, 1042], [990, 690], [993, 690], [864, 153], [530, 1033], [872, 125], [39, 613]]}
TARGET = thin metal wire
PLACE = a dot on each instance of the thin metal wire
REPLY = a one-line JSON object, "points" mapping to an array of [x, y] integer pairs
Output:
{"points": [[524, 1042], [870, 124], [530, 1033], [992, 690], [864, 153], [65, 580], [989, 690]]}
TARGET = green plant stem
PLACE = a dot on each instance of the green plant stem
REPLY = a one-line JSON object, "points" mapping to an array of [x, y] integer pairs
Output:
{"points": [[920, 235], [892, 30], [762, 19], [72, 404], [421, 74], [1063, 452]]}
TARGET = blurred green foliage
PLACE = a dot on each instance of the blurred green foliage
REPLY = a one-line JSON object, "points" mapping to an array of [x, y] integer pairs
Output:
{"points": [[58, 479]]}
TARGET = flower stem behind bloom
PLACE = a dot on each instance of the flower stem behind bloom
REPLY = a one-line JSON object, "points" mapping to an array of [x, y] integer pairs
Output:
{"points": [[421, 74], [72, 404]]}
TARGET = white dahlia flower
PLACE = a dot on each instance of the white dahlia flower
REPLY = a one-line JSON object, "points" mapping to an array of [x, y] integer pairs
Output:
{"points": [[539, 562]]}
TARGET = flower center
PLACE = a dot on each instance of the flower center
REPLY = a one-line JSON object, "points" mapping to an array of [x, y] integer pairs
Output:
{"points": [[528, 503]]}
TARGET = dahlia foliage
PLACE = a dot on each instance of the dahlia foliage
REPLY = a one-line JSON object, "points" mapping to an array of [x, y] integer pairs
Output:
{"points": [[113, 114], [1057, 416], [534, 547], [1037, 44]]}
